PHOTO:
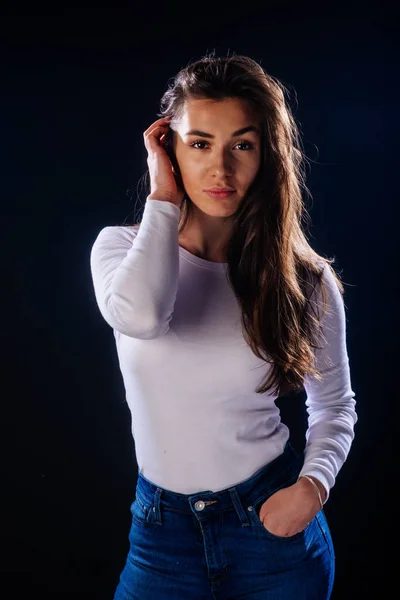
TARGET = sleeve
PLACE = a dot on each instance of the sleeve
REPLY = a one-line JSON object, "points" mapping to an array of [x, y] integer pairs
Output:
{"points": [[330, 403], [135, 274]]}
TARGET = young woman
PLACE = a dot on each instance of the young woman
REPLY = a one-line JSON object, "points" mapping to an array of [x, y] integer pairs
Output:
{"points": [[218, 306]]}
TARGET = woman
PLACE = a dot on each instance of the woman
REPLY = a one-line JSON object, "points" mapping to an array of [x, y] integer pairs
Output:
{"points": [[210, 293]]}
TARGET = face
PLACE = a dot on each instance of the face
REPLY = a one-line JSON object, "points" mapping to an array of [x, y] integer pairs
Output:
{"points": [[216, 156]]}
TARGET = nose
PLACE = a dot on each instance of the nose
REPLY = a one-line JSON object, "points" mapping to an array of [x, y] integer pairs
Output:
{"points": [[221, 165]]}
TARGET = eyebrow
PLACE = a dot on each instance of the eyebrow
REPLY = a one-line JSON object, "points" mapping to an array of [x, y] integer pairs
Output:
{"points": [[234, 134]]}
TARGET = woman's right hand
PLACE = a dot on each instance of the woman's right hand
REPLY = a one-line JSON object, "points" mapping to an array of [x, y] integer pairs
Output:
{"points": [[164, 183]]}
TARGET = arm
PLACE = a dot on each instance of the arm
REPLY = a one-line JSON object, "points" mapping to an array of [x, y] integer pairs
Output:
{"points": [[135, 276], [330, 403]]}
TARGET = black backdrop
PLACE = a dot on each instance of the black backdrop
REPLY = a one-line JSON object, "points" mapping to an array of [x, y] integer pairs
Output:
{"points": [[79, 87]]}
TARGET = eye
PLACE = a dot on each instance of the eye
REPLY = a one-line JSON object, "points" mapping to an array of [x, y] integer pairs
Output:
{"points": [[250, 146]]}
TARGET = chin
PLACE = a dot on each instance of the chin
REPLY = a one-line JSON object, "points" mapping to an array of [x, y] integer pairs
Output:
{"points": [[219, 211], [222, 205], [215, 208]]}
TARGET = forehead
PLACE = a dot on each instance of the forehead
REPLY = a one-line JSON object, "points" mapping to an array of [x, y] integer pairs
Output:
{"points": [[228, 110]]}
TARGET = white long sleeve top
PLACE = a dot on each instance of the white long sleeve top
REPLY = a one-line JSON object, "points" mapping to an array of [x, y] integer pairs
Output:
{"points": [[188, 373]]}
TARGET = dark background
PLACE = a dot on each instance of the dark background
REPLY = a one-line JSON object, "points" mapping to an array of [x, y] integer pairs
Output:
{"points": [[78, 90]]}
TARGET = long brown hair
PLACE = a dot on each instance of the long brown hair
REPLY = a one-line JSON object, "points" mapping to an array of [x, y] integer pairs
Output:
{"points": [[272, 268]]}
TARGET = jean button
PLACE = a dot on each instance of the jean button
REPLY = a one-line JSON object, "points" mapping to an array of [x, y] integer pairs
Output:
{"points": [[199, 505]]}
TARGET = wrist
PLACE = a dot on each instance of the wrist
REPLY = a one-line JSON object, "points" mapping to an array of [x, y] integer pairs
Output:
{"points": [[320, 486]]}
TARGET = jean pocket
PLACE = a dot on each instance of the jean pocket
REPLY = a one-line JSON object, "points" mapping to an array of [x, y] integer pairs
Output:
{"points": [[140, 512]]}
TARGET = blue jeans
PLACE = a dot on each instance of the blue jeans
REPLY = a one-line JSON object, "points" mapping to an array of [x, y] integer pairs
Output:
{"points": [[213, 545]]}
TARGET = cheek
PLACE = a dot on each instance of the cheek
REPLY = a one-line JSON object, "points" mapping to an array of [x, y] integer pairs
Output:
{"points": [[191, 169], [253, 170], [246, 173]]}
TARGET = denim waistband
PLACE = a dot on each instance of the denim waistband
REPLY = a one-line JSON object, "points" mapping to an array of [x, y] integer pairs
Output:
{"points": [[273, 475]]}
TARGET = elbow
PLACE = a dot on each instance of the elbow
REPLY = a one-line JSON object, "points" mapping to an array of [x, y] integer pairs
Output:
{"points": [[132, 328], [130, 323]]}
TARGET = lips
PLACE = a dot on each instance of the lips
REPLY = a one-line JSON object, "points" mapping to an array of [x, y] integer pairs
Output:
{"points": [[220, 190], [220, 194]]}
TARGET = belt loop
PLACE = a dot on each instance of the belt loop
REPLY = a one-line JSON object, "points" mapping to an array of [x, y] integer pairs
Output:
{"points": [[156, 506], [237, 503]]}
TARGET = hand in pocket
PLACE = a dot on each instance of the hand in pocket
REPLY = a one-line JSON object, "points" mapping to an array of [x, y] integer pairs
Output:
{"points": [[288, 511]]}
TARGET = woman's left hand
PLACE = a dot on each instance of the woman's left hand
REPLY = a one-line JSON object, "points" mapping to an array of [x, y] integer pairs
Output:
{"points": [[289, 510]]}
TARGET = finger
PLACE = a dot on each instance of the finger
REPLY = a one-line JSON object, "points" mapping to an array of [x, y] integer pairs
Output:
{"points": [[162, 121], [158, 129], [154, 136], [153, 139]]}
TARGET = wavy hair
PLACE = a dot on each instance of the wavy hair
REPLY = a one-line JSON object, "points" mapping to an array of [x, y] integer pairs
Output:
{"points": [[272, 268]]}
